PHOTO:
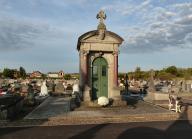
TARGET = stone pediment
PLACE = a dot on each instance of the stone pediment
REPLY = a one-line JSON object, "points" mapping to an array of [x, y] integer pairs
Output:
{"points": [[93, 37]]}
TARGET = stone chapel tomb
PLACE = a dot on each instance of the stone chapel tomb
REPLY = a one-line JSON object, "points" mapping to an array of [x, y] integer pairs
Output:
{"points": [[98, 58]]}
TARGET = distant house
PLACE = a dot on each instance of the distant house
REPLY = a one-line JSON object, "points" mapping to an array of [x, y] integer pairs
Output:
{"points": [[59, 74], [52, 75], [36, 74]]}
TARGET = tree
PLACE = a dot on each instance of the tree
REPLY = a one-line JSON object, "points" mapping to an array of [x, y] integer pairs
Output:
{"points": [[187, 75], [22, 72], [8, 73], [130, 75], [172, 70], [164, 75], [67, 76], [145, 75], [1, 75], [189, 70], [44, 76], [138, 73], [121, 75]]}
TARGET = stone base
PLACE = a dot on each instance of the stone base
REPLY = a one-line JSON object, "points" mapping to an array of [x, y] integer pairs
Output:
{"points": [[119, 103], [149, 97], [90, 104], [86, 94], [156, 96], [114, 100], [161, 96], [113, 103]]}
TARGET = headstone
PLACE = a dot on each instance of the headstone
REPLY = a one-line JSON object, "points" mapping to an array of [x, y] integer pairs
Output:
{"points": [[56, 81], [75, 88], [10, 106], [126, 84], [191, 87], [39, 83], [65, 85], [50, 86], [59, 88], [151, 90], [179, 85], [24, 88], [1, 82], [183, 88], [44, 90], [11, 81], [30, 95], [151, 82], [165, 89], [30, 89], [16, 88], [119, 82], [188, 87]]}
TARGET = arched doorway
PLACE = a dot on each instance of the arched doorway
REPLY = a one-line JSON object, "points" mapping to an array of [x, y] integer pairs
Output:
{"points": [[99, 78]]}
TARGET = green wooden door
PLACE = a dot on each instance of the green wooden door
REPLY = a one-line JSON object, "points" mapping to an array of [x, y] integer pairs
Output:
{"points": [[99, 78]]}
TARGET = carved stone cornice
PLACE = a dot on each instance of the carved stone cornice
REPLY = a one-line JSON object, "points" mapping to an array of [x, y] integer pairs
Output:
{"points": [[98, 54], [115, 53], [84, 52]]}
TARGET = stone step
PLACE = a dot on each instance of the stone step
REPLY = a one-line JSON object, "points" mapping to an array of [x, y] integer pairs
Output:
{"points": [[92, 120]]}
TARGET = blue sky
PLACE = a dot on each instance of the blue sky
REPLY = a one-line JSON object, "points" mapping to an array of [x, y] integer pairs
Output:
{"points": [[42, 34]]}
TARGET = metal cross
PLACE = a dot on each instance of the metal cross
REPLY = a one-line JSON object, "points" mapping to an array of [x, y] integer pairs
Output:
{"points": [[102, 16]]}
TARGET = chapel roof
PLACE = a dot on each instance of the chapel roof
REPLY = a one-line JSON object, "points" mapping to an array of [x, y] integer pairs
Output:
{"points": [[95, 32]]}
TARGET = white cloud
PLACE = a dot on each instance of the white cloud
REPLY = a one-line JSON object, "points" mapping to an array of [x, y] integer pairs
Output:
{"points": [[126, 8], [183, 5], [16, 34], [156, 28]]}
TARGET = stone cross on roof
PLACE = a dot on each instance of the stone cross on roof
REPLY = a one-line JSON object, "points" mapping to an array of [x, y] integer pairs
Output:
{"points": [[102, 16]]}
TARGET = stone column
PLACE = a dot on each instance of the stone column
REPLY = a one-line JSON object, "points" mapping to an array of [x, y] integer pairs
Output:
{"points": [[84, 76], [115, 54], [85, 66], [81, 69]]}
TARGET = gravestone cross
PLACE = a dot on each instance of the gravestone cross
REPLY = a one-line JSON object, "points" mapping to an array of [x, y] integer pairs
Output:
{"points": [[102, 16]]}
